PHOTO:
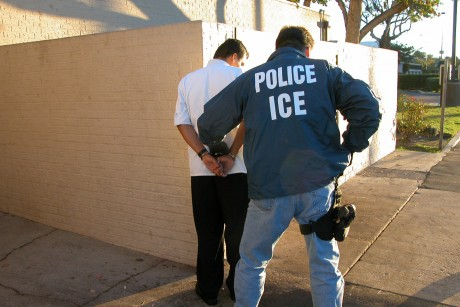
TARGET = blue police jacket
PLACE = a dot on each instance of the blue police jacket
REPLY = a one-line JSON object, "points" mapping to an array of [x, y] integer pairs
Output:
{"points": [[292, 143]]}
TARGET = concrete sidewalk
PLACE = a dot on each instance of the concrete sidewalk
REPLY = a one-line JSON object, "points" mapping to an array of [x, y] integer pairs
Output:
{"points": [[403, 250]]}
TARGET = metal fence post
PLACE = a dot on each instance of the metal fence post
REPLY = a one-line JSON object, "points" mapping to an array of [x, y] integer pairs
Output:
{"points": [[443, 101]]}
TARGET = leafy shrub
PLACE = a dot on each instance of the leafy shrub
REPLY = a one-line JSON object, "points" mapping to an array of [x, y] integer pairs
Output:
{"points": [[411, 82], [432, 84], [410, 120]]}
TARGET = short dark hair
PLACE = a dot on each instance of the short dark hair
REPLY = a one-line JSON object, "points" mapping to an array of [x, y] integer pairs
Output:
{"points": [[296, 37], [229, 47]]}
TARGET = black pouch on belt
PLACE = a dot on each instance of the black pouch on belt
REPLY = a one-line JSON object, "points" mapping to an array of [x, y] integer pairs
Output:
{"points": [[323, 227], [335, 223]]}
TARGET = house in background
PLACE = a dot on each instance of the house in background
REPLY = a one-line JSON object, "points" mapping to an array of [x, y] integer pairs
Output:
{"points": [[410, 68]]}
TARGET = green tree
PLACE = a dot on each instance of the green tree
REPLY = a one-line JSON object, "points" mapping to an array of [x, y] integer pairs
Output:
{"points": [[382, 10], [405, 52], [408, 54], [427, 61], [397, 24]]}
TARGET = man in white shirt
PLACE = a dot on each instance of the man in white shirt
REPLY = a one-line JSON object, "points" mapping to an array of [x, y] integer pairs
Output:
{"points": [[218, 175]]}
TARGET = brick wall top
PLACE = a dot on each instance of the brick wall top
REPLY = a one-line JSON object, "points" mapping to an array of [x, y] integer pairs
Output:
{"points": [[27, 21]]}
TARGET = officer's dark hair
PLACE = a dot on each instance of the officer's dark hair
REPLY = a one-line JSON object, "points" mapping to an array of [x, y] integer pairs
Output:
{"points": [[229, 47], [296, 37]]}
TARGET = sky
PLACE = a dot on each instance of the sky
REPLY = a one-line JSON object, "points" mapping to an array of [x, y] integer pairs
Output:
{"points": [[427, 35]]}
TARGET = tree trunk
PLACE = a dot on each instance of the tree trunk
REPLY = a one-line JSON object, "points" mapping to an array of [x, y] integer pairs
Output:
{"points": [[385, 38], [354, 21], [343, 8]]}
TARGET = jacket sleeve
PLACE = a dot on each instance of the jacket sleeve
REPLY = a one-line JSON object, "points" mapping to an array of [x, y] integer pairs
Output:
{"points": [[359, 106], [222, 113]]}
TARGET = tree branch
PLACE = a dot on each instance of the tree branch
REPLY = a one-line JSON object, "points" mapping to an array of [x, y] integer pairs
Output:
{"points": [[395, 9], [375, 37], [343, 8]]}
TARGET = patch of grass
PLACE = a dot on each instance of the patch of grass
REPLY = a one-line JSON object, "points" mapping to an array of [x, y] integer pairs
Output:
{"points": [[451, 118], [410, 138]]}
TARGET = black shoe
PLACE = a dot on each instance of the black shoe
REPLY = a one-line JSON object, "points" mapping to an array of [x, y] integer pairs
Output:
{"points": [[231, 290], [232, 294], [208, 301]]}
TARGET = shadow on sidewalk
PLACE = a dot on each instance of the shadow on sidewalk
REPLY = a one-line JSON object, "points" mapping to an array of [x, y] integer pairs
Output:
{"points": [[449, 284]]}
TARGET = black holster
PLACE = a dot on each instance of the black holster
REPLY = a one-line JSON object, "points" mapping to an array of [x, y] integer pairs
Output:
{"points": [[335, 223]]}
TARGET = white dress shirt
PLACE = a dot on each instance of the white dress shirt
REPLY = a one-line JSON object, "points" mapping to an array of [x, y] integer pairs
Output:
{"points": [[194, 90]]}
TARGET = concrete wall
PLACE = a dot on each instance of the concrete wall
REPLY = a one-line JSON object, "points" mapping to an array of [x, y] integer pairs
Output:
{"points": [[27, 21], [87, 141]]}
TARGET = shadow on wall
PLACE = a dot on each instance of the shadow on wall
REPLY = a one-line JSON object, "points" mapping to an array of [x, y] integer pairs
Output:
{"points": [[220, 13], [155, 12], [220, 10], [102, 11]]}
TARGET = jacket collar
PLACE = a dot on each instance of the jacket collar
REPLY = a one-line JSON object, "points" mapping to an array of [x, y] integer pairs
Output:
{"points": [[286, 51]]}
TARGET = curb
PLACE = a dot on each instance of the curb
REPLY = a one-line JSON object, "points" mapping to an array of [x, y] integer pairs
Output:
{"points": [[453, 141]]}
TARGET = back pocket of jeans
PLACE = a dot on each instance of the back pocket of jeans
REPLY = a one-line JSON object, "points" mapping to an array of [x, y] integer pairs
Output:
{"points": [[264, 205]]}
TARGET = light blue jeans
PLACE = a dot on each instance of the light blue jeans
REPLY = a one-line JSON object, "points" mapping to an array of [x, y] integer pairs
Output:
{"points": [[266, 221]]}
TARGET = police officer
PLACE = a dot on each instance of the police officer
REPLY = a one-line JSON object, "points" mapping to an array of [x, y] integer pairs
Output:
{"points": [[293, 152]]}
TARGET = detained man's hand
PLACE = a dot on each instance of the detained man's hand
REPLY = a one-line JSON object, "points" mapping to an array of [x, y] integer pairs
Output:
{"points": [[227, 163], [213, 165]]}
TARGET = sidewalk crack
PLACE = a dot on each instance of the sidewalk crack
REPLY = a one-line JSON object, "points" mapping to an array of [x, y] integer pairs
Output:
{"points": [[36, 296], [122, 281], [27, 243]]}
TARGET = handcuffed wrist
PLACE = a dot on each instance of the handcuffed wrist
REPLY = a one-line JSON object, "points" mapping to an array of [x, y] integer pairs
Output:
{"points": [[231, 156], [202, 153]]}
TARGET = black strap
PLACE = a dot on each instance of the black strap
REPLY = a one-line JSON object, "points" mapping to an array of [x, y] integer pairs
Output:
{"points": [[305, 229], [325, 223], [324, 226]]}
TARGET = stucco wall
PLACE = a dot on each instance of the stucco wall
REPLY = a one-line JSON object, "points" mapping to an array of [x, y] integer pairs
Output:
{"points": [[379, 68], [87, 138], [27, 21]]}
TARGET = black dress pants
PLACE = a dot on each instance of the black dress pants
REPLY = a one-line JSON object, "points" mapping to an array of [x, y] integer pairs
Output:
{"points": [[218, 202]]}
